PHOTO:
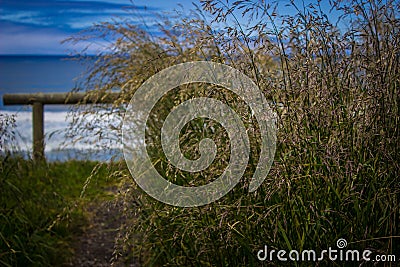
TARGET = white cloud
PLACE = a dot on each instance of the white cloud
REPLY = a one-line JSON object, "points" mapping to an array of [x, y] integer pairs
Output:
{"points": [[85, 22], [99, 11], [42, 42], [28, 17]]}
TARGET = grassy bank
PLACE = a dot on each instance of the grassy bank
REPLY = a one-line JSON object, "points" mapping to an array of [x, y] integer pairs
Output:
{"points": [[41, 208]]}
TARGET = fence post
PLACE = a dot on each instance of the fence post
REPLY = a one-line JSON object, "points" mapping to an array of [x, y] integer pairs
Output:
{"points": [[37, 100], [38, 131]]}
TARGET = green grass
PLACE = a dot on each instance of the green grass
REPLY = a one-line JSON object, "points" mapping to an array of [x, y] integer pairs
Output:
{"points": [[41, 208]]}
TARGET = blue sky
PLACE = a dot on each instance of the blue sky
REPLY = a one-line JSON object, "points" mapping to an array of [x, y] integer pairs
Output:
{"points": [[39, 26]]}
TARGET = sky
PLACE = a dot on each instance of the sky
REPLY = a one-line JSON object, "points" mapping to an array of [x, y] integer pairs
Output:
{"points": [[37, 27]]}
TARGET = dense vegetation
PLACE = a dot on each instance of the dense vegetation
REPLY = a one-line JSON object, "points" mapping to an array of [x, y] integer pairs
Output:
{"points": [[335, 89], [334, 85], [42, 205]]}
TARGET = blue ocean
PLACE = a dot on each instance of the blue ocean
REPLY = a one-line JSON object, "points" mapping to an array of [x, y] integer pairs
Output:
{"points": [[32, 74]]}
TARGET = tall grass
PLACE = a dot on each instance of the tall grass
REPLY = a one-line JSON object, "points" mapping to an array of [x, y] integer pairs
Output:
{"points": [[41, 208], [335, 89]]}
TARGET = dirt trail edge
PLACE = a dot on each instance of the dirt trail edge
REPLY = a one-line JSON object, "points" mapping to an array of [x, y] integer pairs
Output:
{"points": [[96, 245]]}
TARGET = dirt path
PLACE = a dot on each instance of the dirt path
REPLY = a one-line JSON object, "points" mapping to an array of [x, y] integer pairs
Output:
{"points": [[95, 247]]}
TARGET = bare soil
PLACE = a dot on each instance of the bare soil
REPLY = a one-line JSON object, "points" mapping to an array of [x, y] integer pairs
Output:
{"points": [[96, 246]]}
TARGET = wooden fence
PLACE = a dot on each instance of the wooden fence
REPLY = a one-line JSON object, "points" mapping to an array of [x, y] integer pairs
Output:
{"points": [[38, 100]]}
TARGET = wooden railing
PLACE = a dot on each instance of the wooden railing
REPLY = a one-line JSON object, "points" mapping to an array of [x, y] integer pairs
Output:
{"points": [[38, 100]]}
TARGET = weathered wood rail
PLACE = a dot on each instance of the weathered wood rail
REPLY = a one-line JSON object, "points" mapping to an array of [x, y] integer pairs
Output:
{"points": [[38, 100]]}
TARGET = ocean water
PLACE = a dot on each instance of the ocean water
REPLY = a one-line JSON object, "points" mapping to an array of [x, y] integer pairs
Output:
{"points": [[32, 74]]}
